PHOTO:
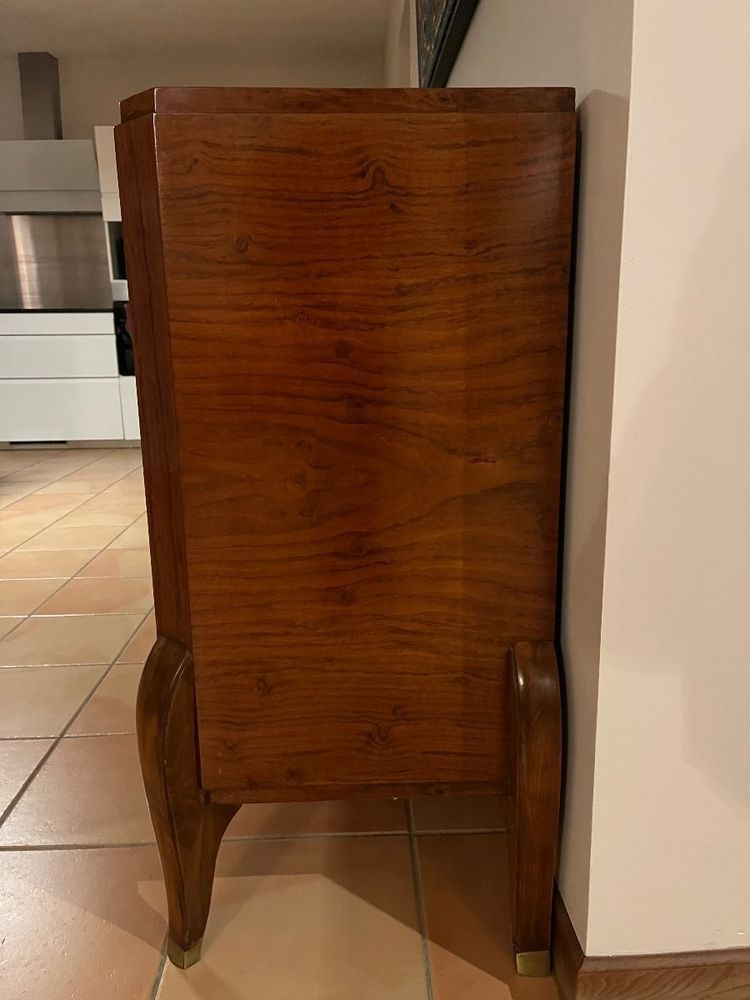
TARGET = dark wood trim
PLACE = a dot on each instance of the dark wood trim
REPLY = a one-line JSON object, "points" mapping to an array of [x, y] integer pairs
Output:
{"points": [[141, 224], [188, 829], [692, 975], [322, 793], [263, 100], [536, 777]]}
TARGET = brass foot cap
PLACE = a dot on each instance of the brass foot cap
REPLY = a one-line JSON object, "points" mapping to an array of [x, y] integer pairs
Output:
{"points": [[180, 957], [533, 963]]}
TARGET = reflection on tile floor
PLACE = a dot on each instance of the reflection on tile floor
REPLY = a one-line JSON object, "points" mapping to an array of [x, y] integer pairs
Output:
{"points": [[313, 900]]}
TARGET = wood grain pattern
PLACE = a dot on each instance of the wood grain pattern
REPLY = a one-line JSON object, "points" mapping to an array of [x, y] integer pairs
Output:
{"points": [[367, 350], [188, 829], [136, 165], [536, 769], [297, 100], [351, 334], [706, 975]]}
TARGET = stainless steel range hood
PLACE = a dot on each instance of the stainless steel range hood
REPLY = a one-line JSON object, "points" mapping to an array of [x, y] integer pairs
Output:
{"points": [[43, 172], [53, 261]]}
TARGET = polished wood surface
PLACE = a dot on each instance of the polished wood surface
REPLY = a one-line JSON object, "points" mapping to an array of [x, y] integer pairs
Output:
{"points": [[350, 338], [188, 828], [139, 197], [536, 775], [273, 100], [698, 975], [366, 350]]}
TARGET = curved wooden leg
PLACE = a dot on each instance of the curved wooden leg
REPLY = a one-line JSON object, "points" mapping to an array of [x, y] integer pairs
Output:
{"points": [[188, 828], [536, 770]]}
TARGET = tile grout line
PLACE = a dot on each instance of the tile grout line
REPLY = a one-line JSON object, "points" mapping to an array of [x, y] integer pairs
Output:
{"points": [[419, 899], [50, 482], [87, 498], [156, 985], [259, 838], [56, 740], [51, 524]]}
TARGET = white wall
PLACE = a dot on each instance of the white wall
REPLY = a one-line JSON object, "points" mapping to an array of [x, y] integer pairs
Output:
{"points": [[11, 121], [92, 87], [671, 852], [586, 44]]}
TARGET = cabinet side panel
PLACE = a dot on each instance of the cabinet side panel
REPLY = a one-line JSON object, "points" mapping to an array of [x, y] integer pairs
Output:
{"points": [[136, 167], [368, 319]]}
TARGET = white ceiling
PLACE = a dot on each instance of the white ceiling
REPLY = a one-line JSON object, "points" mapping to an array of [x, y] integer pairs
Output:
{"points": [[260, 27]]}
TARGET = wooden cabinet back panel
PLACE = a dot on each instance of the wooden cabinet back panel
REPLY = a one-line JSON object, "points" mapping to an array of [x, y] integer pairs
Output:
{"points": [[367, 317]]}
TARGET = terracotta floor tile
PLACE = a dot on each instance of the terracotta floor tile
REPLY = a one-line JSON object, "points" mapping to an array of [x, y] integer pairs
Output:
{"points": [[39, 701], [62, 537], [67, 639], [22, 527], [11, 492], [458, 812], [21, 597], [309, 920], [8, 624], [297, 818], [80, 925], [105, 511], [92, 596], [40, 472], [111, 708], [89, 791], [20, 565], [57, 504], [140, 645], [134, 537], [13, 461], [117, 562], [18, 758], [467, 908], [85, 487]]}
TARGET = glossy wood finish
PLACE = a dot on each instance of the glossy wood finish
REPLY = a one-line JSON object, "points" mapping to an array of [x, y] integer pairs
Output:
{"points": [[188, 828], [351, 317], [297, 100], [705, 975], [139, 195], [536, 772]]}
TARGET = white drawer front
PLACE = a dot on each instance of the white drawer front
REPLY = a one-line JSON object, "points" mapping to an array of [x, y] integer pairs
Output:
{"points": [[52, 324], [130, 426], [57, 357], [60, 410]]}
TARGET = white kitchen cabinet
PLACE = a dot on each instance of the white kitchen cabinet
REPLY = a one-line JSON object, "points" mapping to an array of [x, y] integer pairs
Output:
{"points": [[104, 139], [65, 409], [53, 324], [129, 403], [57, 357], [58, 377], [111, 208]]}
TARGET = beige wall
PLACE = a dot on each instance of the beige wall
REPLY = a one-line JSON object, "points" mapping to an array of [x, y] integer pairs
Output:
{"points": [[91, 87], [11, 121], [656, 854], [671, 852], [401, 45], [586, 44]]}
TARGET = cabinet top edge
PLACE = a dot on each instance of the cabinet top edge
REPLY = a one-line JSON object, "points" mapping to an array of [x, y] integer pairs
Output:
{"points": [[298, 100]]}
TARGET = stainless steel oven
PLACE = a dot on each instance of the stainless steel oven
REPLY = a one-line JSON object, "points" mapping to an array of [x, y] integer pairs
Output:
{"points": [[53, 261]]}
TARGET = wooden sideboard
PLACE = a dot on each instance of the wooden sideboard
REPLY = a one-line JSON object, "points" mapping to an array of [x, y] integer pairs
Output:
{"points": [[351, 313]]}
